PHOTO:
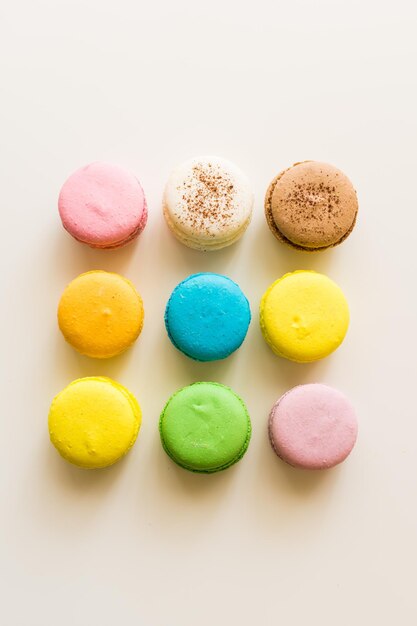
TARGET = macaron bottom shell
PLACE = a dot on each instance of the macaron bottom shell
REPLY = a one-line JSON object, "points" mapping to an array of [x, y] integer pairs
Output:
{"points": [[205, 427]]}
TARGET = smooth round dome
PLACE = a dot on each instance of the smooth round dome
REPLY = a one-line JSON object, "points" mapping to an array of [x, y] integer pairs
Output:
{"points": [[313, 427], [207, 203], [205, 427], [100, 314], [304, 316], [103, 205], [94, 422], [207, 316], [311, 206]]}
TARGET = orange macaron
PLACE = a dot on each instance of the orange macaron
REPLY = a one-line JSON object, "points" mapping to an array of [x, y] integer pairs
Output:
{"points": [[100, 314]]}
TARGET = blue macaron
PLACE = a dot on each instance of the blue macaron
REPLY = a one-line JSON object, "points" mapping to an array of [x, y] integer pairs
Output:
{"points": [[207, 316]]}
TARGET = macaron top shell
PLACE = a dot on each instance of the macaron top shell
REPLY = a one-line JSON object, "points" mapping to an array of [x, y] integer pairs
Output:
{"points": [[207, 316], [208, 202], [94, 422], [304, 316], [311, 205], [100, 314], [313, 427], [205, 427], [102, 205]]}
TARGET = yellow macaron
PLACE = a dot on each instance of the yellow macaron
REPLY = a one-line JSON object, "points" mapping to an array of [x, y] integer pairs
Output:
{"points": [[304, 316], [94, 422], [100, 314]]}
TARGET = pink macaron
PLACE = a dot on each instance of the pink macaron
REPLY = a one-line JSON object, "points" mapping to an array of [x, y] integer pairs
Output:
{"points": [[313, 427], [103, 206]]}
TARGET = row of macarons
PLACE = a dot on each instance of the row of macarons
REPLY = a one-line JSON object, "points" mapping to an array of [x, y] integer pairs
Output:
{"points": [[204, 427], [304, 315], [208, 204]]}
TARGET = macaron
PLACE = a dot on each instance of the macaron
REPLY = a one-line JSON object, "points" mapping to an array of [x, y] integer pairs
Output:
{"points": [[313, 427], [207, 203], [103, 205], [94, 422], [205, 427], [207, 316], [311, 206], [304, 316], [100, 314]]}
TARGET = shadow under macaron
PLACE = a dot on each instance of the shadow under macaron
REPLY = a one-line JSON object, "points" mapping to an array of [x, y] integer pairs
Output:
{"points": [[178, 502], [72, 365], [62, 485], [73, 257], [289, 495], [283, 258], [189, 369], [195, 261]]}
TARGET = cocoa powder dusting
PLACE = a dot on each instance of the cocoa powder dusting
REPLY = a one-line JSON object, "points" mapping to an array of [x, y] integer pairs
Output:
{"points": [[208, 197], [311, 201]]}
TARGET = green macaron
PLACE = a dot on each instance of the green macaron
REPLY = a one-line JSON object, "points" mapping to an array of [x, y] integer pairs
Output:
{"points": [[205, 427]]}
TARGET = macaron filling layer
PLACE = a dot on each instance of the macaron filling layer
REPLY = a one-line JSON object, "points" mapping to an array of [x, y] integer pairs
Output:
{"points": [[207, 316], [205, 427]]}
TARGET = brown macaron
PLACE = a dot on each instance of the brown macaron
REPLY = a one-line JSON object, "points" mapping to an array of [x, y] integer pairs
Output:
{"points": [[311, 206]]}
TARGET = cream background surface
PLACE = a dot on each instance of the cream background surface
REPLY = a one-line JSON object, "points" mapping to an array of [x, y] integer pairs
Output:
{"points": [[263, 84]]}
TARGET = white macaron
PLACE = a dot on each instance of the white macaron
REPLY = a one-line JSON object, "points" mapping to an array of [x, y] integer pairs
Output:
{"points": [[207, 203]]}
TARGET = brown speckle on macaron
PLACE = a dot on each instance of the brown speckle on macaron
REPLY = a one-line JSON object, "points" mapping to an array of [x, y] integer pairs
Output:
{"points": [[208, 196]]}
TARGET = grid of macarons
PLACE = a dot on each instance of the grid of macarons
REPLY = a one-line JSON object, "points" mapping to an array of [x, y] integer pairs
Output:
{"points": [[304, 316]]}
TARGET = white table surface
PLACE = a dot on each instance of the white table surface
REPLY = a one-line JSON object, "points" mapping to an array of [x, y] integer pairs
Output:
{"points": [[145, 543]]}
